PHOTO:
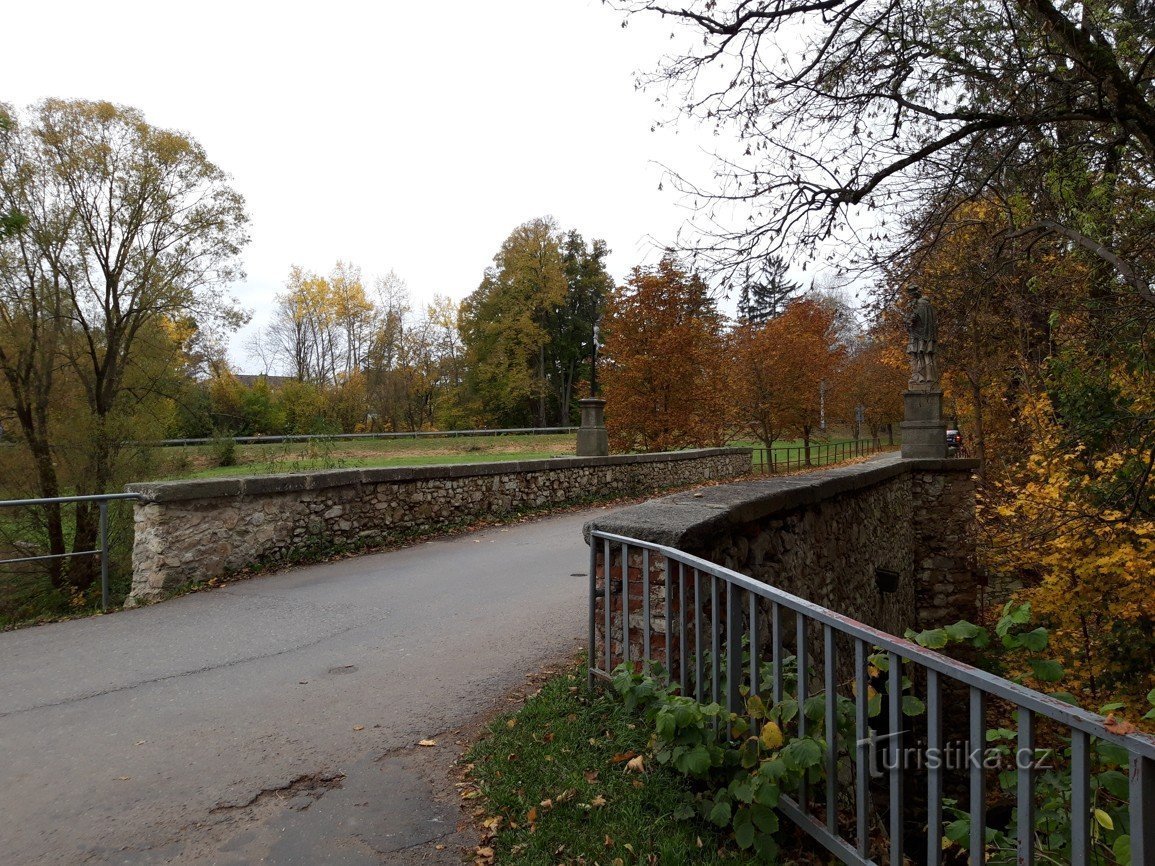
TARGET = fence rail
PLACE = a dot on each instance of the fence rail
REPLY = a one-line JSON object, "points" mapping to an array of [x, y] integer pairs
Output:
{"points": [[785, 458], [414, 434], [698, 618], [102, 500]]}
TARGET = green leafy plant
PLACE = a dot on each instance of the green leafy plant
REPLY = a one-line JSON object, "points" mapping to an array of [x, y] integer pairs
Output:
{"points": [[741, 763], [1018, 654]]}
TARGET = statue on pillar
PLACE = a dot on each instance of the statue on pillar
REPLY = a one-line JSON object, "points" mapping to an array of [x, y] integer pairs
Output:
{"points": [[923, 334]]}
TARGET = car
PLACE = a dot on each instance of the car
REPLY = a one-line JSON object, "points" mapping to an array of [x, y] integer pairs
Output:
{"points": [[954, 442]]}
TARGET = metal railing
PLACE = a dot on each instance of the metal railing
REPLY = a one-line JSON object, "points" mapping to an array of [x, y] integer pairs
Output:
{"points": [[102, 500], [698, 619], [414, 434], [786, 458]]}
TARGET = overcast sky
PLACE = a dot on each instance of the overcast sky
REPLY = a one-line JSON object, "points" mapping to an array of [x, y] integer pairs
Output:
{"points": [[404, 136]]}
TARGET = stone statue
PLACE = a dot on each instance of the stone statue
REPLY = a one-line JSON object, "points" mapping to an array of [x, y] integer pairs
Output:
{"points": [[923, 333]]}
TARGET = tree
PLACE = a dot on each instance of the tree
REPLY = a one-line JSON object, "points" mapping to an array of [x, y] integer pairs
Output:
{"points": [[528, 328], [872, 378], [843, 108], [783, 371], [129, 227], [667, 364], [306, 335], [571, 347], [765, 293]]}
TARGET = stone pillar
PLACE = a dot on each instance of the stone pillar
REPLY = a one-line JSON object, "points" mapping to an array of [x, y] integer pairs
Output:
{"points": [[923, 431], [592, 439]]}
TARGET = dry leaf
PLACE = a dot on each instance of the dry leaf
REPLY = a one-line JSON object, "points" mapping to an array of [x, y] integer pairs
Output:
{"points": [[531, 815], [598, 801], [591, 776], [636, 765], [510, 723], [1118, 726], [623, 756], [609, 842], [427, 743]]}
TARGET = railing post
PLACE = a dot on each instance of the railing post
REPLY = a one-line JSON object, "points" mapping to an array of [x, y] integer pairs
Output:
{"points": [[734, 633], [104, 555], [1142, 811]]}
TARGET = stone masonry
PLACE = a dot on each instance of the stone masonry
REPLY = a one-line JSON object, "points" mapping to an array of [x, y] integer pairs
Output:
{"points": [[192, 531], [823, 536]]}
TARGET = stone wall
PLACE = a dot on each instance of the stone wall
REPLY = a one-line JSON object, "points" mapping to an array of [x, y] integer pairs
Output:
{"points": [[823, 536], [192, 531]]}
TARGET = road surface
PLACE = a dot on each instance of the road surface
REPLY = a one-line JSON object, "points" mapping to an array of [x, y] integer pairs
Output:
{"points": [[274, 720]]}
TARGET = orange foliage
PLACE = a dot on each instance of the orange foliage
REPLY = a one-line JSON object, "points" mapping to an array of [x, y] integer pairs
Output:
{"points": [[666, 373], [780, 367]]}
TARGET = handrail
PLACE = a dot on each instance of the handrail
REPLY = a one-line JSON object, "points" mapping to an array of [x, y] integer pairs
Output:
{"points": [[719, 619], [102, 499]]}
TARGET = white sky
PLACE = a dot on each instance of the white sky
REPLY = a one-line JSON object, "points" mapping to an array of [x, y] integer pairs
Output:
{"points": [[403, 136]]}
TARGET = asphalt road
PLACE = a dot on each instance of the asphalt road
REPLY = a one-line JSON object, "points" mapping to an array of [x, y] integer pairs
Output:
{"points": [[274, 720]]}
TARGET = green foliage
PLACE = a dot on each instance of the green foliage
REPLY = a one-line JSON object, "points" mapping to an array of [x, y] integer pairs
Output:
{"points": [[554, 776], [1110, 828], [528, 329], [224, 449], [742, 764]]}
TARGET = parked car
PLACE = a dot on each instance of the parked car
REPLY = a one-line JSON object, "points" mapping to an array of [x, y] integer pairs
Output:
{"points": [[954, 443]]}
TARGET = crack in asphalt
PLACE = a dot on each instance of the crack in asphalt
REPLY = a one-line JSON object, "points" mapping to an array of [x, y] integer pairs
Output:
{"points": [[201, 670], [313, 784]]}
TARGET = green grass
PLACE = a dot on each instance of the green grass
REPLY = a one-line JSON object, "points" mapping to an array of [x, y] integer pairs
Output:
{"points": [[279, 458], [561, 747]]}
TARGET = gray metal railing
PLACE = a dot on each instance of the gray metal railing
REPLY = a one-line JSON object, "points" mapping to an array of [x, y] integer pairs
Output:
{"points": [[785, 458], [102, 500], [698, 619], [414, 434]]}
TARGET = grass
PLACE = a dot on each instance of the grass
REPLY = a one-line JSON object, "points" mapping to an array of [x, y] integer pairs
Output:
{"points": [[554, 774], [278, 458]]}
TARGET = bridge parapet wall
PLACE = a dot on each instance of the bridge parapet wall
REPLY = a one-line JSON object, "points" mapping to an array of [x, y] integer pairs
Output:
{"points": [[889, 542], [193, 531]]}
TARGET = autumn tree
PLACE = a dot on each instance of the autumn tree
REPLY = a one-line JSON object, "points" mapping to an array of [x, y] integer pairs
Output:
{"points": [[845, 117], [784, 371], [872, 378], [666, 362], [528, 328], [128, 227]]}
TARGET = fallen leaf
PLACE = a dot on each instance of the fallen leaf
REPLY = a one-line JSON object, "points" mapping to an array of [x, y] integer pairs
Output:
{"points": [[123, 778], [598, 801], [591, 776], [427, 743], [546, 803], [636, 765], [609, 842], [358, 727], [623, 756], [1118, 726], [531, 815], [511, 723]]}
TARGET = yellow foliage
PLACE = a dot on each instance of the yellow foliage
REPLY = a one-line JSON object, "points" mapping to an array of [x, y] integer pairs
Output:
{"points": [[1088, 571]]}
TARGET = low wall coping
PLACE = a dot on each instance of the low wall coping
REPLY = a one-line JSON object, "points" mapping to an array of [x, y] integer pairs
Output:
{"points": [[254, 485], [687, 521]]}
